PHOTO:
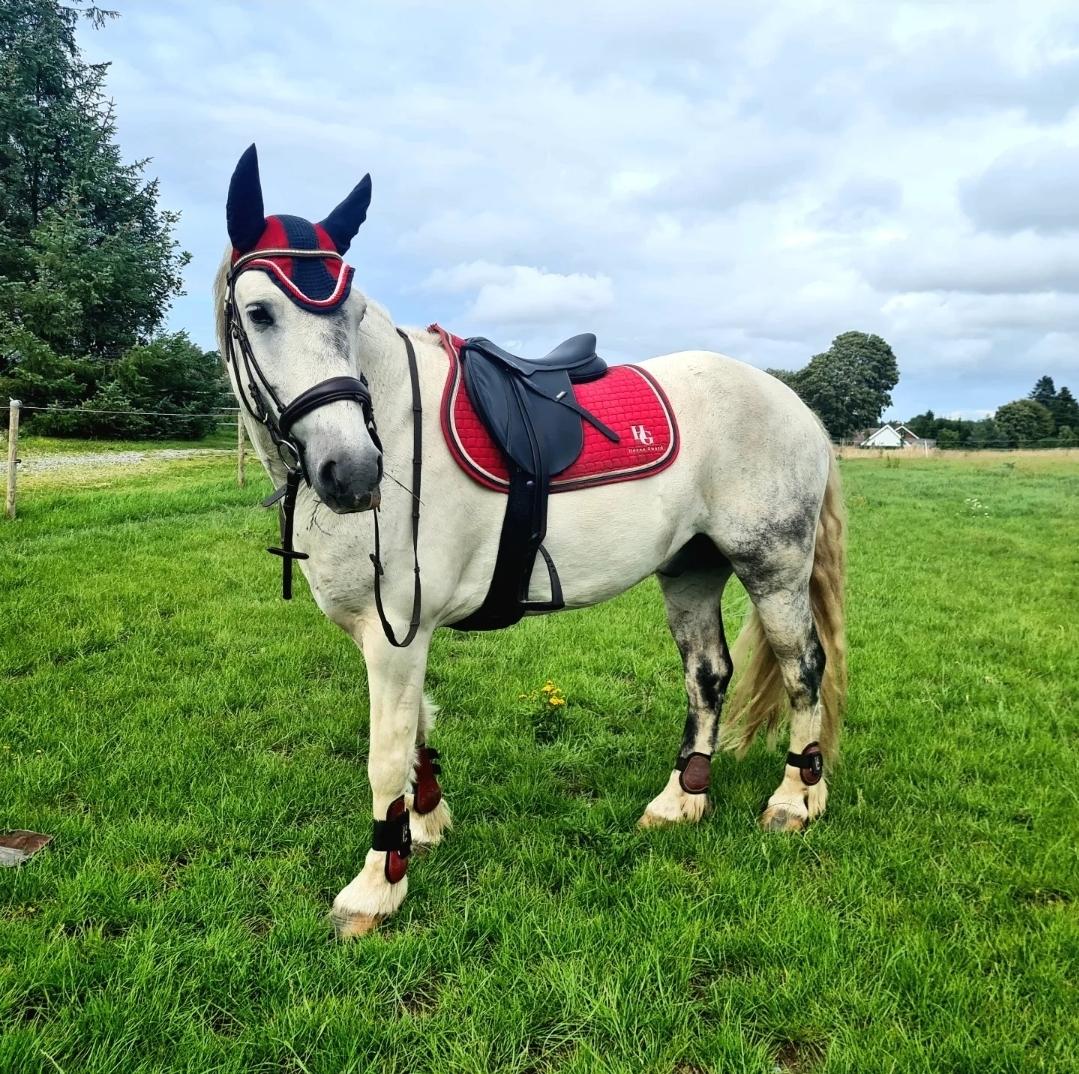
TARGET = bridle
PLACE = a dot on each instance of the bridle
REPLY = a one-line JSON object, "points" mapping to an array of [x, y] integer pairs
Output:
{"points": [[256, 393]]}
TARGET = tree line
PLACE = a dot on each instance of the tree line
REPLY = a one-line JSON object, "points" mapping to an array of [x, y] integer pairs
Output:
{"points": [[1045, 418], [89, 262], [850, 385]]}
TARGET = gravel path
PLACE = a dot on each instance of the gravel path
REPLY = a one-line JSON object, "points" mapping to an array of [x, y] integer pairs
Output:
{"points": [[41, 463]]}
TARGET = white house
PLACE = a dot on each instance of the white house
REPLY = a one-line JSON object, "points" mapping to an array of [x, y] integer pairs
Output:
{"points": [[892, 436], [884, 437]]}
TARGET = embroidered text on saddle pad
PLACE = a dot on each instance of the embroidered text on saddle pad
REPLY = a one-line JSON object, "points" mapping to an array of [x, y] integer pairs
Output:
{"points": [[626, 398]]}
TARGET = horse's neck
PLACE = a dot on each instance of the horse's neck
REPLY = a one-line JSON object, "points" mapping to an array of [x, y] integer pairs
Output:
{"points": [[384, 361]]}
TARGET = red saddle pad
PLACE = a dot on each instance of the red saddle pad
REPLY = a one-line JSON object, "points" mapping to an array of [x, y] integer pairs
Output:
{"points": [[626, 398]]}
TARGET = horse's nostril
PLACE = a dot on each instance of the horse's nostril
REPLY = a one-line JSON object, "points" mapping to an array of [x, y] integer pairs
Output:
{"points": [[327, 474], [379, 469]]}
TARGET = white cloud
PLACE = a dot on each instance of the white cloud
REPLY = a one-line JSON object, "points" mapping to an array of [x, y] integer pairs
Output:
{"points": [[516, 296], [531, 296], [980, 264], [975, 414], [1030, 187]]}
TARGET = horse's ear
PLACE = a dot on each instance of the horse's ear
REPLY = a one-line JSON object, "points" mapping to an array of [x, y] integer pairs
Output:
{"points": [[244, 212], [343, 223]]}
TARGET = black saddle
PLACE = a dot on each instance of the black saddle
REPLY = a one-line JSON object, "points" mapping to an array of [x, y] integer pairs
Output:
{"points": [[577, 356], [529, 408]]}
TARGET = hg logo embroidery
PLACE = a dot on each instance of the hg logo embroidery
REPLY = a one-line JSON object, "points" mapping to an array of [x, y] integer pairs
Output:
{"points": [[642, 435]]}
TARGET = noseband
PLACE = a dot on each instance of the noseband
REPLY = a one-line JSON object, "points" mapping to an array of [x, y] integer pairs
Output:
{"points": [[280, 419]]}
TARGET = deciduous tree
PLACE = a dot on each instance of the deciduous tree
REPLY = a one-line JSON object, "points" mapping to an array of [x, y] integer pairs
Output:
{"points": [[850, 384], [1024, 423]]}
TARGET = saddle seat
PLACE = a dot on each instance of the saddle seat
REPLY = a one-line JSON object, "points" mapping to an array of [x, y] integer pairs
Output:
{"points": [[576, 355]]}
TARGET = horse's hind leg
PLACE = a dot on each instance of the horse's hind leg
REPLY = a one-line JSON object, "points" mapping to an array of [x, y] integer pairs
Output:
{"points": [[692, 584], [787, 619]]}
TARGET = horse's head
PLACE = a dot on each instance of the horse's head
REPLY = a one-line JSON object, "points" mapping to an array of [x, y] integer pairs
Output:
{"points": [[291, 331]]}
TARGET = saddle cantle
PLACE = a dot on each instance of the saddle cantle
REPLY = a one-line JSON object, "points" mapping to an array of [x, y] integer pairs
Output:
{"points": [[532, 427]]}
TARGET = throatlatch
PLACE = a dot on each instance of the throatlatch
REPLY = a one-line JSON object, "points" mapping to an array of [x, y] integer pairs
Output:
{"points": [[810, 764]]}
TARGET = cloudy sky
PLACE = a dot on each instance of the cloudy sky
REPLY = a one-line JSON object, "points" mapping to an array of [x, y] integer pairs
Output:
{"points": [[668, 175]]}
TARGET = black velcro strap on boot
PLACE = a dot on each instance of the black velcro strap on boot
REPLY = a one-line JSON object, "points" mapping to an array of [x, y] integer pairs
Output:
{"points": [[810, 764], [393, 834], [433, 756]]}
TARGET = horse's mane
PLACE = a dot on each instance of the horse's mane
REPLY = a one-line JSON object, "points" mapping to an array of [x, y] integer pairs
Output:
{"points": [[219, 301]]}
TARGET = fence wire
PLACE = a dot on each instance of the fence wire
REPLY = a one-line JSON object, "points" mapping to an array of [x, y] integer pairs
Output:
{"points": [[129, 413]]}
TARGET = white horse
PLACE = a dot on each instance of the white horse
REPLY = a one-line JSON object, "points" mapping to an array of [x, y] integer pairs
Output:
{"points": [[754, 492]]}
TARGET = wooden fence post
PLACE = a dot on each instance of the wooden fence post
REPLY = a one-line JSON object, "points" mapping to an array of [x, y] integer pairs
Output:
{"points": [[240, 452], [14, 406]]}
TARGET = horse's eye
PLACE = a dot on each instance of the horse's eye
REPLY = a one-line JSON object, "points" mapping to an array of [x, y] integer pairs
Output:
{"points": [[260, 315]]}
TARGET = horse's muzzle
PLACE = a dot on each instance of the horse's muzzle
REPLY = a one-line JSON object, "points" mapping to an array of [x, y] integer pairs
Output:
{"points": [[346, 486]]}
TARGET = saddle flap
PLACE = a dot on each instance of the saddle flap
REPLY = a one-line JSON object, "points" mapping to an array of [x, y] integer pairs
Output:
{"points": [[540, 435]]}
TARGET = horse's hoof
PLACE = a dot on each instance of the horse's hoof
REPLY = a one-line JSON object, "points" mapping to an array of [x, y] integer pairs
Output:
{"points": [[654, 820], [673, 806], [349, 926], [781, 819]]}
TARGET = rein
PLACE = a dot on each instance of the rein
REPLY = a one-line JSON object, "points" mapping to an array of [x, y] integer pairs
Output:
{"points": [[280, 419], [417, 457]]}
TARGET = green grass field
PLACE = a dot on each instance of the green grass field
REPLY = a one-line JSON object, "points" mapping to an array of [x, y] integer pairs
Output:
{"points": [[197, 748]]}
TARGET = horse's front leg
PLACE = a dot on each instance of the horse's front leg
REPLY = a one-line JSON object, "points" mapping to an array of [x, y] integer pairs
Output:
{"points": [[395, 678]]}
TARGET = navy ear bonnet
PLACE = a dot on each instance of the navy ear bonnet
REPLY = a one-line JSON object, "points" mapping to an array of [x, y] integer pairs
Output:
{"points": [[318, 284]]}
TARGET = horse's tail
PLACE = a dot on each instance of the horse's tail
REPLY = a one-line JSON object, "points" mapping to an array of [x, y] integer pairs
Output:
{"points": [[760, 700]]}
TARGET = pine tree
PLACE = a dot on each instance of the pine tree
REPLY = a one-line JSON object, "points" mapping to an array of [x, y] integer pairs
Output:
{"points": [[1045, 393], [88, 260], [1065, 409]]}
